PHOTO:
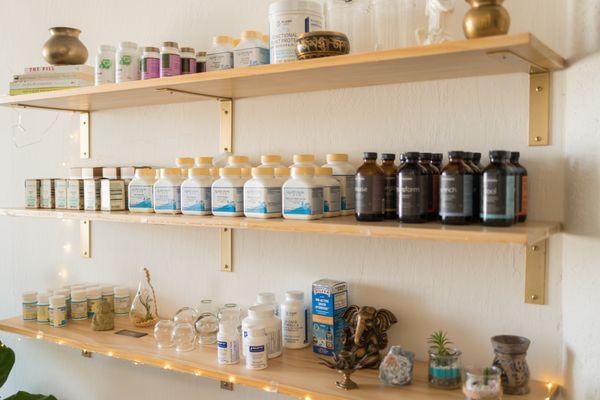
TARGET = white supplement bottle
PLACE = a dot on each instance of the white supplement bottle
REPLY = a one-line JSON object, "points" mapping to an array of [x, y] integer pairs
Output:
{"points": [[302, 195], [269, 299], [255, 349], [238, 162], [122, 301], [79, 308], [294, 317], [304, 160], [43, 302], [29, 303], [128, 62], [220, 55], [250, 51], [170, 59], [262, 316], [262, 194], [108, 295], [94, 298], [332, 201], [345, 173], [105, 65], [228, 343], [203, 162], [196, 192], [57, 312], [283, 174], [141, 191], [227, 194], [288, 19], [167, 191], [67, 294], [271, 161]]}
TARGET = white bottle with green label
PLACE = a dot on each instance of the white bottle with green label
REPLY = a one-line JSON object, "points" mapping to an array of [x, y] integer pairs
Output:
{"points": [[128, 62], [105, 65]]}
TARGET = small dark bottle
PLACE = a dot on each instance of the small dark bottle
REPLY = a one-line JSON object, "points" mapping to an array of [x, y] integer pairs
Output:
{"points": [[412, 179], [477, 161], [498, 191], [456, 191], [437, 159], [391, 177], [522, 185], [432, 196], [370, 190], [469, 160]]}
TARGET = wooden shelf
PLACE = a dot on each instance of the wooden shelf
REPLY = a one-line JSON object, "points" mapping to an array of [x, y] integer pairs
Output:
{"points": [[522, 234], [519, 53], [297, 373]]}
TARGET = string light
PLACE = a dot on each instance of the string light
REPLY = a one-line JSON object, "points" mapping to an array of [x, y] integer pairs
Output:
{"points": [[60, 342], [232, 379], [198, 373], [167, 366], [67, 247], [110, 354], [549, 386], [39, 335]]}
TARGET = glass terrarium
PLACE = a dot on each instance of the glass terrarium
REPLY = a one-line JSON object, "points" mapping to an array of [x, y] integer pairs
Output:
{"points": [[184, 337], [163, 334], [144, 311], [483, 384], [444, 369]]}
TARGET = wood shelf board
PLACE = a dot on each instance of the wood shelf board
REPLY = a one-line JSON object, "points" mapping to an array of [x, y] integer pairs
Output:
{"points": [[455, 59], [297, 373], [521, 234]]}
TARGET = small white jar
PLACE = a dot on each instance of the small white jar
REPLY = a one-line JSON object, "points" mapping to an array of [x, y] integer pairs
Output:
{"points": [[250, 51], [128, 62], [332, 201], [141, 191], [94, 298], [150, 63], [345, 173], [43, 302], [57, 311], [238, 162], [262, 316], [220, 55], [167, 191], [304, 160], [104, 71], [228, 344], [29, 303], [227, 194], [203, 162], [79, 308], [302, 195], [122, 301], [262, 194], [294, 318], [196, 192], [271, 161], [67, 294], [255, 349], [268, 298]]}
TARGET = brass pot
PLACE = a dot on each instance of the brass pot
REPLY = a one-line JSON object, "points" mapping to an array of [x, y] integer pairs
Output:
{"points": [[64, 47], [486, 18]]}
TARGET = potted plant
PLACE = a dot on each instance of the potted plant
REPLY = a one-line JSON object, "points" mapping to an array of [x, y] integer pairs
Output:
{"points": [[7, 360], [444, 362]]}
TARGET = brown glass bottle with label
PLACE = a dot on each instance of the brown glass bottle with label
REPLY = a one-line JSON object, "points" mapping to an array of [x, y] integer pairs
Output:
{"points": [[370, 190], [390, 172], [456, 191], [521, 178], [470, 161], [437, 159], [412, 179], [433, 186], [498, 191]]}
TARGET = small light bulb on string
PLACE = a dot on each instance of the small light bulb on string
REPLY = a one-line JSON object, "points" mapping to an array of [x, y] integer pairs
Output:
{"points": [[67, 247]]}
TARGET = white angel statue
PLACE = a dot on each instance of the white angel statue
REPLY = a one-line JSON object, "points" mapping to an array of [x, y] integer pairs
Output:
{"points": [[437, 12]]}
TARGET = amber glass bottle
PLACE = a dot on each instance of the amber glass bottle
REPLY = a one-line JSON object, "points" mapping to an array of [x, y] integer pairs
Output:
{"points": [[477, 161], [390, 172], [521, 177], [469, 160], [370, 190], [437, 159], [412, 179], [456, 191], [498, 191], [433, 186]]}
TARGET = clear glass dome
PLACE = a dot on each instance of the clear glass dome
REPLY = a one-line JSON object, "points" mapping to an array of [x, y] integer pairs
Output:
{"points": [[207, 324], [185, 314], [163, 334], [184, 337], [231, 312]]}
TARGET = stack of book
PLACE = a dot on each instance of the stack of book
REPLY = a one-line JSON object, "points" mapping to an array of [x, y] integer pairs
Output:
{"points": [[48, 78]]}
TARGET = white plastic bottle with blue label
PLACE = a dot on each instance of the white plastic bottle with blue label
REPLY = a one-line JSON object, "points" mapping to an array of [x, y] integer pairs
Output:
{"points": [[141, 191], [332, 200], [271, 161], [262, 194], [167, 191], [302, 195], [238, 162], [228, 343], [196, 192], [345, 173], [250, 51], [220, 55], [227, 194], [255, 349]]}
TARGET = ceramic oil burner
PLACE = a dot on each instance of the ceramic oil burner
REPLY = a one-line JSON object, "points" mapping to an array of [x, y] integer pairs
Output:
{"points": [[509, 356], [486, 18], [64, 47]]}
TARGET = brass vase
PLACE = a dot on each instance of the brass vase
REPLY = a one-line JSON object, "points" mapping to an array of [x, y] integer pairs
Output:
{"points": [[486, 18], [64, 47]]}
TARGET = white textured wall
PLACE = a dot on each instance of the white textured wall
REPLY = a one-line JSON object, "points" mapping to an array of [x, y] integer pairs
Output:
{"points": [[473, 292]]}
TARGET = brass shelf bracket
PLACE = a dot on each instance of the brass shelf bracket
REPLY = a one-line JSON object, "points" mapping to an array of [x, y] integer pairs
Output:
{"points": [[536, 260], [227, 385], [226, 146], [85, 228]]}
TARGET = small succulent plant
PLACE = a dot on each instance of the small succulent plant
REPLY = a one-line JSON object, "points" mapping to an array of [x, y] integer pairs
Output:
{"points": [[439, 342]]}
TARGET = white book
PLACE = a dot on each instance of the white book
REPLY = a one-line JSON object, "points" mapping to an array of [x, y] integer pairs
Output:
{"points": [[53, 75], [47, 83], [60, 69]]}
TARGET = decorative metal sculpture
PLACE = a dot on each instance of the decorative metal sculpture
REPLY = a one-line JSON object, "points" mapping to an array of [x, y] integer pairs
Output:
{"points": [[345, 363]]}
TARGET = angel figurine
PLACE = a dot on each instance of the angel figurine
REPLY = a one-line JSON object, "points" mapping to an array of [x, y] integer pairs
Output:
{"points": [[437, 12]]}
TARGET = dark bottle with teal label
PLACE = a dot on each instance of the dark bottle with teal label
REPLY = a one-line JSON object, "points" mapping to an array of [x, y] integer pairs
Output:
{"points": [[412, 179], [498, 191]]}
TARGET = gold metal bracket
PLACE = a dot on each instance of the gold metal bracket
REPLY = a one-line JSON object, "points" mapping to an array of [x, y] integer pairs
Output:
{"points": [[535, 273], [84, 135], [179, 91], [226, 125], [225, 242], [227, 385], [84, 238], [86, 353]]}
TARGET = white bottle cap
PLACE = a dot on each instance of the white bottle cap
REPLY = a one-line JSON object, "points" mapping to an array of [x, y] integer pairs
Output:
{"points": [[203, 160], [106, 47], [256, 332], [303, 171], [121, 291], [304, 158], [184, 162], [43, 298], [233, 160], [282, 172], [107, 290], [58, 301], [145, 172], [266, 298], [198, 172], [263, 171], [251, 35], [63, 292], [128, 45], [94, 292], [222, 39], [170, 172], [230, 171], [323, 171], [294, 295], [79, 295], [260, 311], [337, 157], [270, 158], [29, 296]]}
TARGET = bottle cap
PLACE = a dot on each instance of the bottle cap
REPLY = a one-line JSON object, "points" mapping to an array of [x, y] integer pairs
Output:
{"points": [[201, 54], [127, 173], [171, 44], [499, 154], [266, 38], [128, 45], [337, 157], [93, 292], [233, 160], [265, 298], [411, 155], [29, 296], [79, 295], [456, 154], [261, 311], [514, 156], [303, 171], [437, 157], [214, 172], [388, 156], [170, 172], [235, 41], [145, 172], [263, 171], [254, 331], [370, 155], [294, 295], [476, 157], [63, 292], [323, 171], [270, 158], [203, 160], [468, 156], [43, 298], [121, 291], [188, 50], [304, 158], [107, 47], [151, 50], [198, 172], [184, 162], [425, 156], [107, 290], [58, 301], [251, 35], [246, 172], [111, 172], [282, 172], [230, 171], [222, 39]]}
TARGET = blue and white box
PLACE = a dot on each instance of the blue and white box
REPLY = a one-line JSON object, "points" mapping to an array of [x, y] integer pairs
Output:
{"points": [[329, 302]]}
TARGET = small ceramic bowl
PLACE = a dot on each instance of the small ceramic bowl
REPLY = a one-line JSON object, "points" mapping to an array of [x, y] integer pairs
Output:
{"points": [[321, 44]]}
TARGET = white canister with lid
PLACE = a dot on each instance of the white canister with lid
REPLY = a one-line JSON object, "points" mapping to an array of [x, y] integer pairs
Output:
{"points": [[227, 194], [302, 195], [67, 294], [220, 55], [250, 51], [196, 192], [150, 63], [288, 19], [269, 299], [29, 302], [79, 308], [332, 201], [262, 194], [128, 62], [262, 316], [94, 298], [228, 343], [167, 191], [345, 173], [104, 71], [122, 301], [43, 302], [141, 191], [57, 312]]}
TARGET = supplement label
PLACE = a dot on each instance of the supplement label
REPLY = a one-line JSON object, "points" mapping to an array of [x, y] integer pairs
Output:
{"points": [[47, 193], [250, 57], [75, 194], [79, 310], [188, 66], [42, 314], [150, 68], [128, 68], [295, 327], [410, 195], [332, 201], [303, 201], [347, 184], [105, 71], [57, 317], [140, 197], [32, 193], [284, 30], [262, 200], [122, 305], [30, 311], [390, 193], [167, 198], [498, 200], [456, 196], [91, 194], [370, 194], [195, 199], [60, 191], [256, 357], [112, 195], [219, 61], [228, 199], [170, 65], [228, 351]]}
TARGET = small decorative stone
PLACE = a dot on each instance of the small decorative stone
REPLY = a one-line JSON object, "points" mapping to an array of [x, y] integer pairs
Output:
{"points": [[104, 319], [397, 367]]}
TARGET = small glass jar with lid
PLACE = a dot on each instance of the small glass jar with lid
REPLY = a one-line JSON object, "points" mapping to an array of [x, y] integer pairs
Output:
{"points": [[483, 384]]}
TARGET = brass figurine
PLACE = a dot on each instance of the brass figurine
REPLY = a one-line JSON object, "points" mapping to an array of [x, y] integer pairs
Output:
{"points": [[64, 47], [104, 319], [345, 363], [486, 18]]}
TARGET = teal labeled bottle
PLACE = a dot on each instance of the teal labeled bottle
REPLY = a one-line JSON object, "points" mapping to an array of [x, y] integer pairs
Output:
{"points": [[498, 191]]}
